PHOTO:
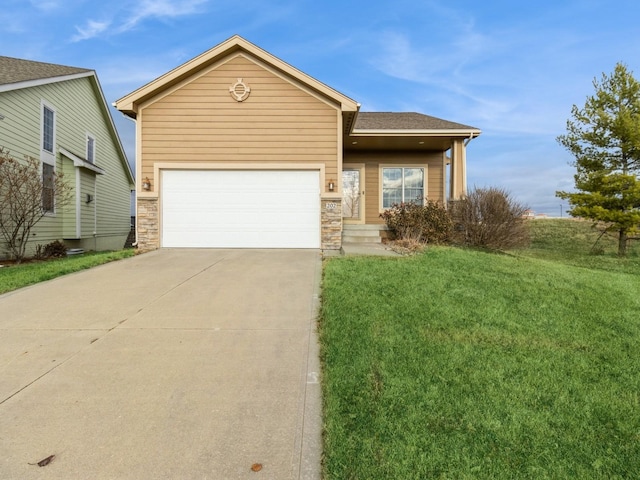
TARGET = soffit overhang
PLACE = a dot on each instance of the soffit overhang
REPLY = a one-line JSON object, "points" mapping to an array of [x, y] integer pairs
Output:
{"points": [[407, 140]]}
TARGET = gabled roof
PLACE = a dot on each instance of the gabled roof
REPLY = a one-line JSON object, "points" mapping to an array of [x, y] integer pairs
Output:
{"points": [[18, 73], [129, 104], [404, 121]]}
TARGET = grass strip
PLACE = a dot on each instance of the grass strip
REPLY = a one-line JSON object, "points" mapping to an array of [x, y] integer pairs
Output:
{"points": [[13, 277]]}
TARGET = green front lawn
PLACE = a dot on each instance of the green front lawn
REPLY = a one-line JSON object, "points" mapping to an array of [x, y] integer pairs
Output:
{"points": [[13, 277], [460, 364]]}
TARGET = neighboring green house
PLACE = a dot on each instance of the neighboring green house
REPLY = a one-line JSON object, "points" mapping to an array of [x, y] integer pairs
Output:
{"points": [[58, 115]]}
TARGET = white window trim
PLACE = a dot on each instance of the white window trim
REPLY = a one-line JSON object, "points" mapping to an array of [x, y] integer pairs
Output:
{"points": [[92, 137], [46, 156], [48, 213], [382, 166]]}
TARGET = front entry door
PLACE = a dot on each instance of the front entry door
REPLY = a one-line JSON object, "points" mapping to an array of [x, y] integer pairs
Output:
{"points": [[353, 194]]}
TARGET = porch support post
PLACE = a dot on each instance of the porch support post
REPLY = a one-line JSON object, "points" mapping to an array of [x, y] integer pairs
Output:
{"points": [[458, 171]]}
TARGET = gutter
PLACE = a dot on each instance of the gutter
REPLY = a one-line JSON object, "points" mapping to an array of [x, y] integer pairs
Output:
{"points": [[416, 133]]}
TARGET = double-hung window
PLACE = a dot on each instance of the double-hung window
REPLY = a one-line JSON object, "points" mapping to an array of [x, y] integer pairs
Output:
{"points": [[48, 157], [402, 184]]}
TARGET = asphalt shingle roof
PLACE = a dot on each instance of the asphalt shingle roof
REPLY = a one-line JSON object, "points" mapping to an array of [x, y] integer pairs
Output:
{"points": [[404, 121], [16, 70]]}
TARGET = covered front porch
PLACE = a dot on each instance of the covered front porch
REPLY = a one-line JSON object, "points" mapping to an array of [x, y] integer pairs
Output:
{"points": [[403, 162]]}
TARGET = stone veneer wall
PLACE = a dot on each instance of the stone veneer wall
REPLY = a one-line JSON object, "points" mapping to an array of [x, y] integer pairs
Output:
{"points": [[148, 224], [331, 223]]}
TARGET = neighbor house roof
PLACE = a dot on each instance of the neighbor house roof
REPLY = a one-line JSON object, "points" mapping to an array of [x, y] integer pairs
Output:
{"points": [[19, 73], [404, 121], [16, 73]]}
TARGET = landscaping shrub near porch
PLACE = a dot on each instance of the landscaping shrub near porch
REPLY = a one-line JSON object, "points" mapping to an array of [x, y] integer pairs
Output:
{"points": [[416, 222], [468, 365]]}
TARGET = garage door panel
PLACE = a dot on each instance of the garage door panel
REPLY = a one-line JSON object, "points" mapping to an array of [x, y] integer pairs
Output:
{"points": [[240, 209]]}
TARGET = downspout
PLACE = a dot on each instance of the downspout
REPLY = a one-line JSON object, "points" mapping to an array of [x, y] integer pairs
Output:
{"points": [[467, 140]]}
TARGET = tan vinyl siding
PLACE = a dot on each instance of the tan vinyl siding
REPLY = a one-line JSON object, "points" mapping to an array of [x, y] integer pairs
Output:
{"points": [[201, 122], [372, 162], [79, 110]]}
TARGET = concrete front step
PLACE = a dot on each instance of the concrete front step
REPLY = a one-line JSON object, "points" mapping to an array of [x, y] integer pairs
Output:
{"points": [[361, 233], [360, 239]]}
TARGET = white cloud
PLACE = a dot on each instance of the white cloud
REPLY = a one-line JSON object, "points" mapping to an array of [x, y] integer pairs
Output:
{"points": [[124, 20], [90, 30], [160, 9], [46, 5]]}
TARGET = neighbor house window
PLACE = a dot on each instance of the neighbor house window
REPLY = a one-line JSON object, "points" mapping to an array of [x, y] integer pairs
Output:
{"points": [[48, 155], [48, 194], [48, 128], [402, 184], [91, 148]]}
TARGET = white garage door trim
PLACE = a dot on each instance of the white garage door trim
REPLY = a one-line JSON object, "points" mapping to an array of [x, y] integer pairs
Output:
{"points": [[240, 208]]}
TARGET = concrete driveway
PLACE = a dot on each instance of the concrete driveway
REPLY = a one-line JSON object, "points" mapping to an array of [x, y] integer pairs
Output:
{"points": [[176, 364]]}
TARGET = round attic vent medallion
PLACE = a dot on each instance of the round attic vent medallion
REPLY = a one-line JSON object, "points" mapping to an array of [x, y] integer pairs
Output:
{"points": [[239, 90]]}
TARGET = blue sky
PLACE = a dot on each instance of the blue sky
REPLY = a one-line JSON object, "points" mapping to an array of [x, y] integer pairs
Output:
{"points": [[512, 69]]}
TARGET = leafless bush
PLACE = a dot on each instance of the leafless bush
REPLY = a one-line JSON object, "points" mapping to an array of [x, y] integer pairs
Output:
{"points": [[428, 223], [22, 195], [490, 218]]}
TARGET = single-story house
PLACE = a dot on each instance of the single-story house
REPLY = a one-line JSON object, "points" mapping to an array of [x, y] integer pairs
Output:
{"points": [[236, 148], [59, 116]]}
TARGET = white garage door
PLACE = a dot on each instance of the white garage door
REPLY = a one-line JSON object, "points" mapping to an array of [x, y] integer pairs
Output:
{"points": [[240, 209]]}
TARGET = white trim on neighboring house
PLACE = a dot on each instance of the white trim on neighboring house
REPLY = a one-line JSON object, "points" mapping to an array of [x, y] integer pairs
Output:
{"points": [[81, 162], [43, 81], [78, 205], [98, 89], [47, 157]]}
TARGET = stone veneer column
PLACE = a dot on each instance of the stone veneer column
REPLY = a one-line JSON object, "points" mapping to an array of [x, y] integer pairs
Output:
{"points": [[331, 223], [148, 224]]}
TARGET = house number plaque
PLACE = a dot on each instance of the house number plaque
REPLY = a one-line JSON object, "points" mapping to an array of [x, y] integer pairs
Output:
{"points": [[331, 205]]}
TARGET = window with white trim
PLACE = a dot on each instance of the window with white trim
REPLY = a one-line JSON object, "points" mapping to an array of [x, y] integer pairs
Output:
{"points": [[48, 128], [91, 148], [402, 184], [48, 193], [48, 155]]}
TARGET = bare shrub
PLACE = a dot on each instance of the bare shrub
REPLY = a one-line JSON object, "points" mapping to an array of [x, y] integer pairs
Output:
{"points": [[490, 218], [22, 196], [428, 223], [55, 249]]}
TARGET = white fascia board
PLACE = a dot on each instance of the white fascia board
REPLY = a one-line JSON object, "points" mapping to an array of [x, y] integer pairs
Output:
{"points": [[44, 81]]}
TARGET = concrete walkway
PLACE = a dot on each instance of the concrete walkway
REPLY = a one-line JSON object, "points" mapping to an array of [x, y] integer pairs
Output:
{"points": [[371, 249], [175, 364]]}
